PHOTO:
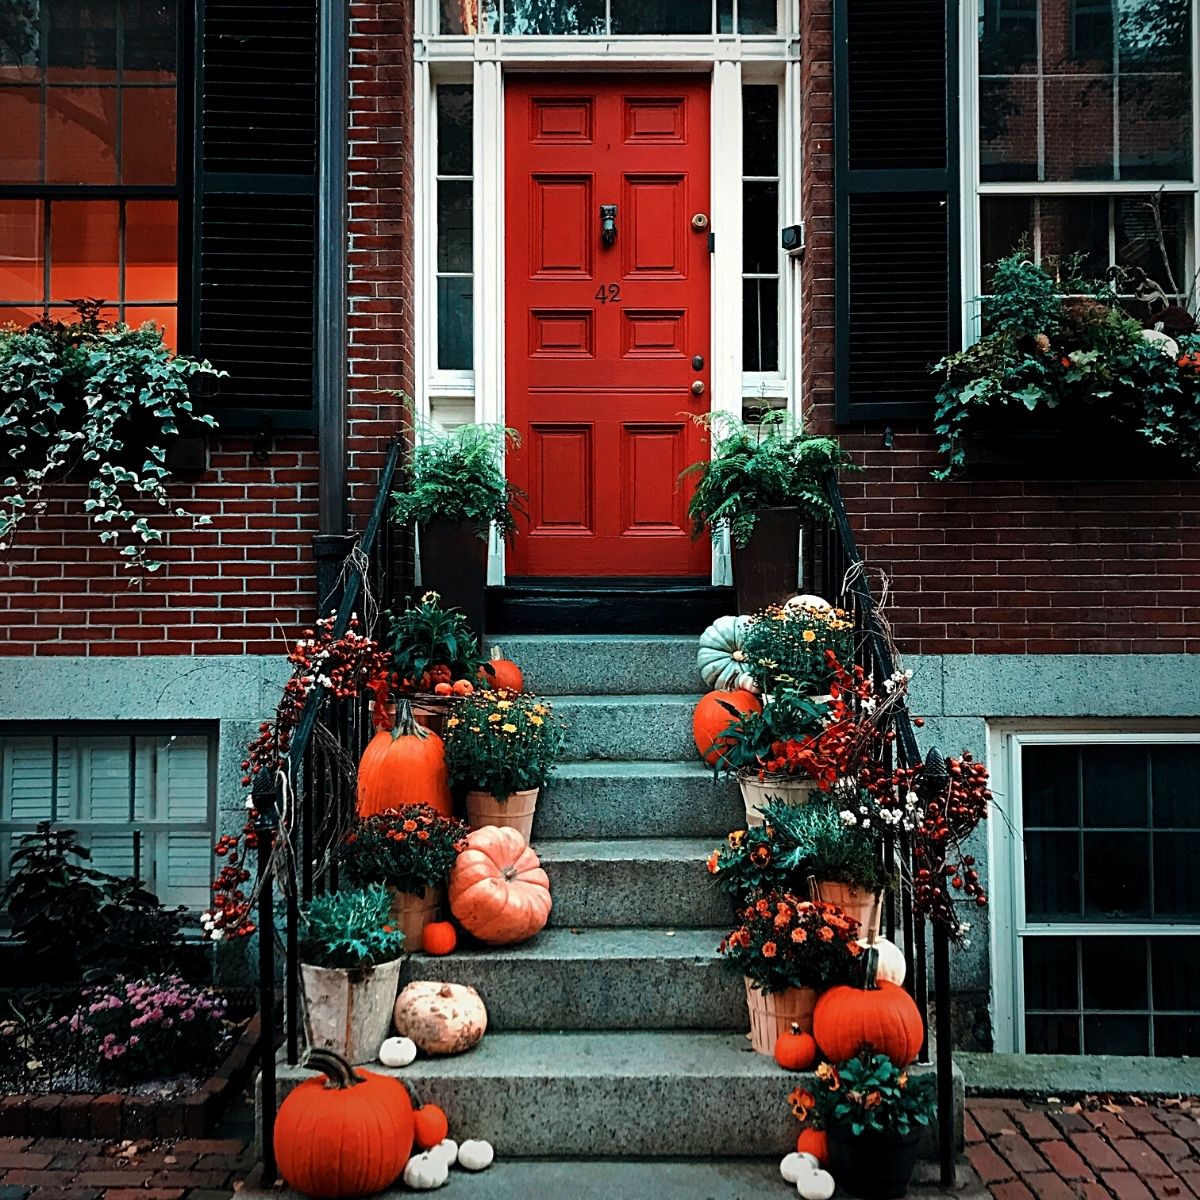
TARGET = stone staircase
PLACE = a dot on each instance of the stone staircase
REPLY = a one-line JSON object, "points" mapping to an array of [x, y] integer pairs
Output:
{"points": [[616, 1033]]}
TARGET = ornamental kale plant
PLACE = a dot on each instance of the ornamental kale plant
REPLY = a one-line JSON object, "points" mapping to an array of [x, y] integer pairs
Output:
{"points": [[100, 397], [409, 848], [151, 1028], [459, 476], [349, 929], [867, 1094]]}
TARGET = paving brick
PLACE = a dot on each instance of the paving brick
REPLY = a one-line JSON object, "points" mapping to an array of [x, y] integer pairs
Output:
{"points": [[1141, 1157], [43, 1115], [1065, 1161], [1173, 1148], [1014, 1189], [994, 1121], [1168, 1188], [14, 1114], [14, 1143], [1036, 1126], [1024, 1158], [74, 1192], [75, 1116], [1185, 1125], [990, 1167], [971, 1131], [191, 1179], [210, 1145], [1144, 1120], [106, 1115], [10, 1191], [1096, 1152], [1124, 1185], [31, 1160], [1071, 1122], [143, 1194], [978, 1103], [1092, 1191], [55, 1145], [38, 1178], [134, 1177], [1046, 1186], [1109, 1124]]}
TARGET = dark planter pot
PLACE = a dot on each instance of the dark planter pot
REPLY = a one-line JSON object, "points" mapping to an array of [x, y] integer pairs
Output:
{"points": [[767, 570], [454, 564], [874, 1166]]}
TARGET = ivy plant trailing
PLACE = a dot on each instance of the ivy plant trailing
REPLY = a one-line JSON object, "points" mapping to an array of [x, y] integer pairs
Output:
{"points": [[1071, 344], [93, 396]]}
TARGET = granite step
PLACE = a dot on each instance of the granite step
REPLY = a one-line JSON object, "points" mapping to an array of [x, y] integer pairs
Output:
{"points": [[650, 882], [567, 979], [650, 727], [637, 799], [605, 664]]}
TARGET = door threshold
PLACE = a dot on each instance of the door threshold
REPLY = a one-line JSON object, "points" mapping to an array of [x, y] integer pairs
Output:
{"points": [[606, 606]]}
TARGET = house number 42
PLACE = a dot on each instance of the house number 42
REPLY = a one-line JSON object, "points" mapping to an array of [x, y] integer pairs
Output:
{"points": [[609, 291]]}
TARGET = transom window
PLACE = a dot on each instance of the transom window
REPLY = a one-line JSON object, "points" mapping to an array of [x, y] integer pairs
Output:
{"points": [[608, 17]]}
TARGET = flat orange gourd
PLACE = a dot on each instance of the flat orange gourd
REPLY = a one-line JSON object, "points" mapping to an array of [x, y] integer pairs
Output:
{"points": [[498, 890], [403, 765], [347, 1134], [430, 1126], [500, 672], [795, 1051], [439, 938], [814, 1142], [879, 1015], [712, 717]]}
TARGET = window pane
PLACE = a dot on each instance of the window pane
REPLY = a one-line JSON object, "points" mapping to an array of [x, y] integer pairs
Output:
{"points": [[1116, 1035], [1155, 35], [167, 319], [1116, 881], [454, 225], [1176, 1036], [81, 135], [661, 16], [1051, 973], [1115, 787], [553, 16], [150, 40], [148, 135], [20, 43], [81, 41], [1115, 973], [1052, 1035], [1008, 36], [1176, 771], [1051, 875], [20, 118], [454, 130], [1176, 975], [83, 249], [760, 130], [1008, 129], [1155, 127], [151, 250], [1078, 128], [20, 250], [724, 16], [760, 232], [1139, 244], [1075, 225], [455, 324], [1005, 223], [757, 16], [1050, 786], [1176, 878], [760, 325]]}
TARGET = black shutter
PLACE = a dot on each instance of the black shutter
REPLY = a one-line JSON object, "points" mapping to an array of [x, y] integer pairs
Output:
{"points": [[896, 203], [254, 230]]}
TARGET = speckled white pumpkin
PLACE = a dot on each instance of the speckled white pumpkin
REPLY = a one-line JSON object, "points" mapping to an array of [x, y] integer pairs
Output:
{"points": [[397, 1052], [442, 1018]]}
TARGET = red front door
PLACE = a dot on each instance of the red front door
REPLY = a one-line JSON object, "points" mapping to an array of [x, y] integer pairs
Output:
{"points": [[607, 341]]}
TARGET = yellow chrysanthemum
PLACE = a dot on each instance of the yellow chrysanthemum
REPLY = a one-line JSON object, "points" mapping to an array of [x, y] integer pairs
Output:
{"points": [[507, 727], [452, 722], [534, 719], [503, 705], [809, 635], [493, 718]]}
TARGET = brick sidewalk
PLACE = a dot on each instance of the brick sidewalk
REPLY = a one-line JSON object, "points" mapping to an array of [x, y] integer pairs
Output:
{"points": [[1085, 1152]]}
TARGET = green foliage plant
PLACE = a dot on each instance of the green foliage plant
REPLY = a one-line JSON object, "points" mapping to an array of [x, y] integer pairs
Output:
{"points": [[426, 635], [788, 646], [458, 475], [870, 1094], [409, 849], [1067, 343], [349, 930], [94, 398], [748, 742], [755, 465]]}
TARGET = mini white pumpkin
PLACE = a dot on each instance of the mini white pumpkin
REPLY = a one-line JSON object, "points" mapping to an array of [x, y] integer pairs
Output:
{"points": [[891, 966], [424, 1172], [818, 1185], [1163, 342], [475, 1155], [720, 658], [814, 602], [747, 683], [796, 1165], [446, 1150], [397, 1052]]}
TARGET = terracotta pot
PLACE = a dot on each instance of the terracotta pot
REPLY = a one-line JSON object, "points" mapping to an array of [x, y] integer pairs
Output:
{"points": [[865, 907], [350, 1011], [757, 792], [411, 913], [773, 1013], [514, 813]]}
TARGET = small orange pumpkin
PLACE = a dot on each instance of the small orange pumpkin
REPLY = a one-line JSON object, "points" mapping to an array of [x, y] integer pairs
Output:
{"points": [[439, 938], [348, 1134], [880, 1015], [430, 1126], [403, 765], [498, 890], [795, 1051], [713, 716], [502, 673], [814, 1142], [463, 687], [443, 689]]}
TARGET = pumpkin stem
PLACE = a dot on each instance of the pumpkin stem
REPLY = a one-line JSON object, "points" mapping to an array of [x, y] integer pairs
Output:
{"points": [[339, 1074], [405, 724], [497, 654], [870, 967], [795, 1029]]}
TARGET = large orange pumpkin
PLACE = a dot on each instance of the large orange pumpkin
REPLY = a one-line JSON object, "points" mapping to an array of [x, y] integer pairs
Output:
{"points": [[348, 1134], [498, 890], [500, 672], [880, 1015], [402, 765], [713, 716]]}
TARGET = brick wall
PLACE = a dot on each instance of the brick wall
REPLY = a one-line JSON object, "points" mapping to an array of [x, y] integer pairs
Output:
{"points": [[990, 567]]}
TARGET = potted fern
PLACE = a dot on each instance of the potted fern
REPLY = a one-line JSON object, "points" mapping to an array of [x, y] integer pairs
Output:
{"points": [[764, 482], [455, 490]]}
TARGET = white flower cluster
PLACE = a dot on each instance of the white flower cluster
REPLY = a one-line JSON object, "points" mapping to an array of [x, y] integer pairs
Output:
{"points": [[897, 679], [210, 927]]}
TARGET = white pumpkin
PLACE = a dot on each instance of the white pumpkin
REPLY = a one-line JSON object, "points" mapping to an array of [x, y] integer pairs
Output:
{"points": [[813, 602], [1162, 342], [397, 1052], [446, 1150], [424, 1172], [720, 658], [891, 966], [746, 682], [442, 1018], [795, 1166], [817, 1186], [475, 1155]]}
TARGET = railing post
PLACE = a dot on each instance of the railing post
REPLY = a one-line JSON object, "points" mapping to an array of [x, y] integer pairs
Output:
{"points": [[266, 823], [947, 1150]]}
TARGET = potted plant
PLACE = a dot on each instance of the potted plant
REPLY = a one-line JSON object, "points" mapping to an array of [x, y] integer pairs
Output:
{"points": [[454, 491], [763, 482], [411, 851], [787, 950], [789, 645], [502, 746], [350, 970], [873, 1113]]}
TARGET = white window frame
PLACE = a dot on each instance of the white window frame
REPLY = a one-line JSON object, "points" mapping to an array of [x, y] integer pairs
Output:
{"points": [[1006, 874], [449, 398], [973, 189]]}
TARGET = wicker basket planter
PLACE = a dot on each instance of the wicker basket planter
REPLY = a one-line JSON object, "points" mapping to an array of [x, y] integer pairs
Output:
{"points": [[773, 1013]]}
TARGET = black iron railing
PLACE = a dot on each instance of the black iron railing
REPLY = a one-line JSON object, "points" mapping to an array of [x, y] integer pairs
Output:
{"points": [[834, 567]]}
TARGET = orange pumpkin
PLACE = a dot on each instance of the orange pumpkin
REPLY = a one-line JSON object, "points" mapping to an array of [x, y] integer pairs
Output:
{"points": [[498, 890], [348, 1134], [438, 938], [500, 672], [463, 687], [880, 1015], [403, 765], [713, 716], [814, 1142], [443, 689], [795, 1051], [429, 1126]]}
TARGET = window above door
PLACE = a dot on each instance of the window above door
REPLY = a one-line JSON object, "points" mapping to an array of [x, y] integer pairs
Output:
{"points": [[615, 18]]}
